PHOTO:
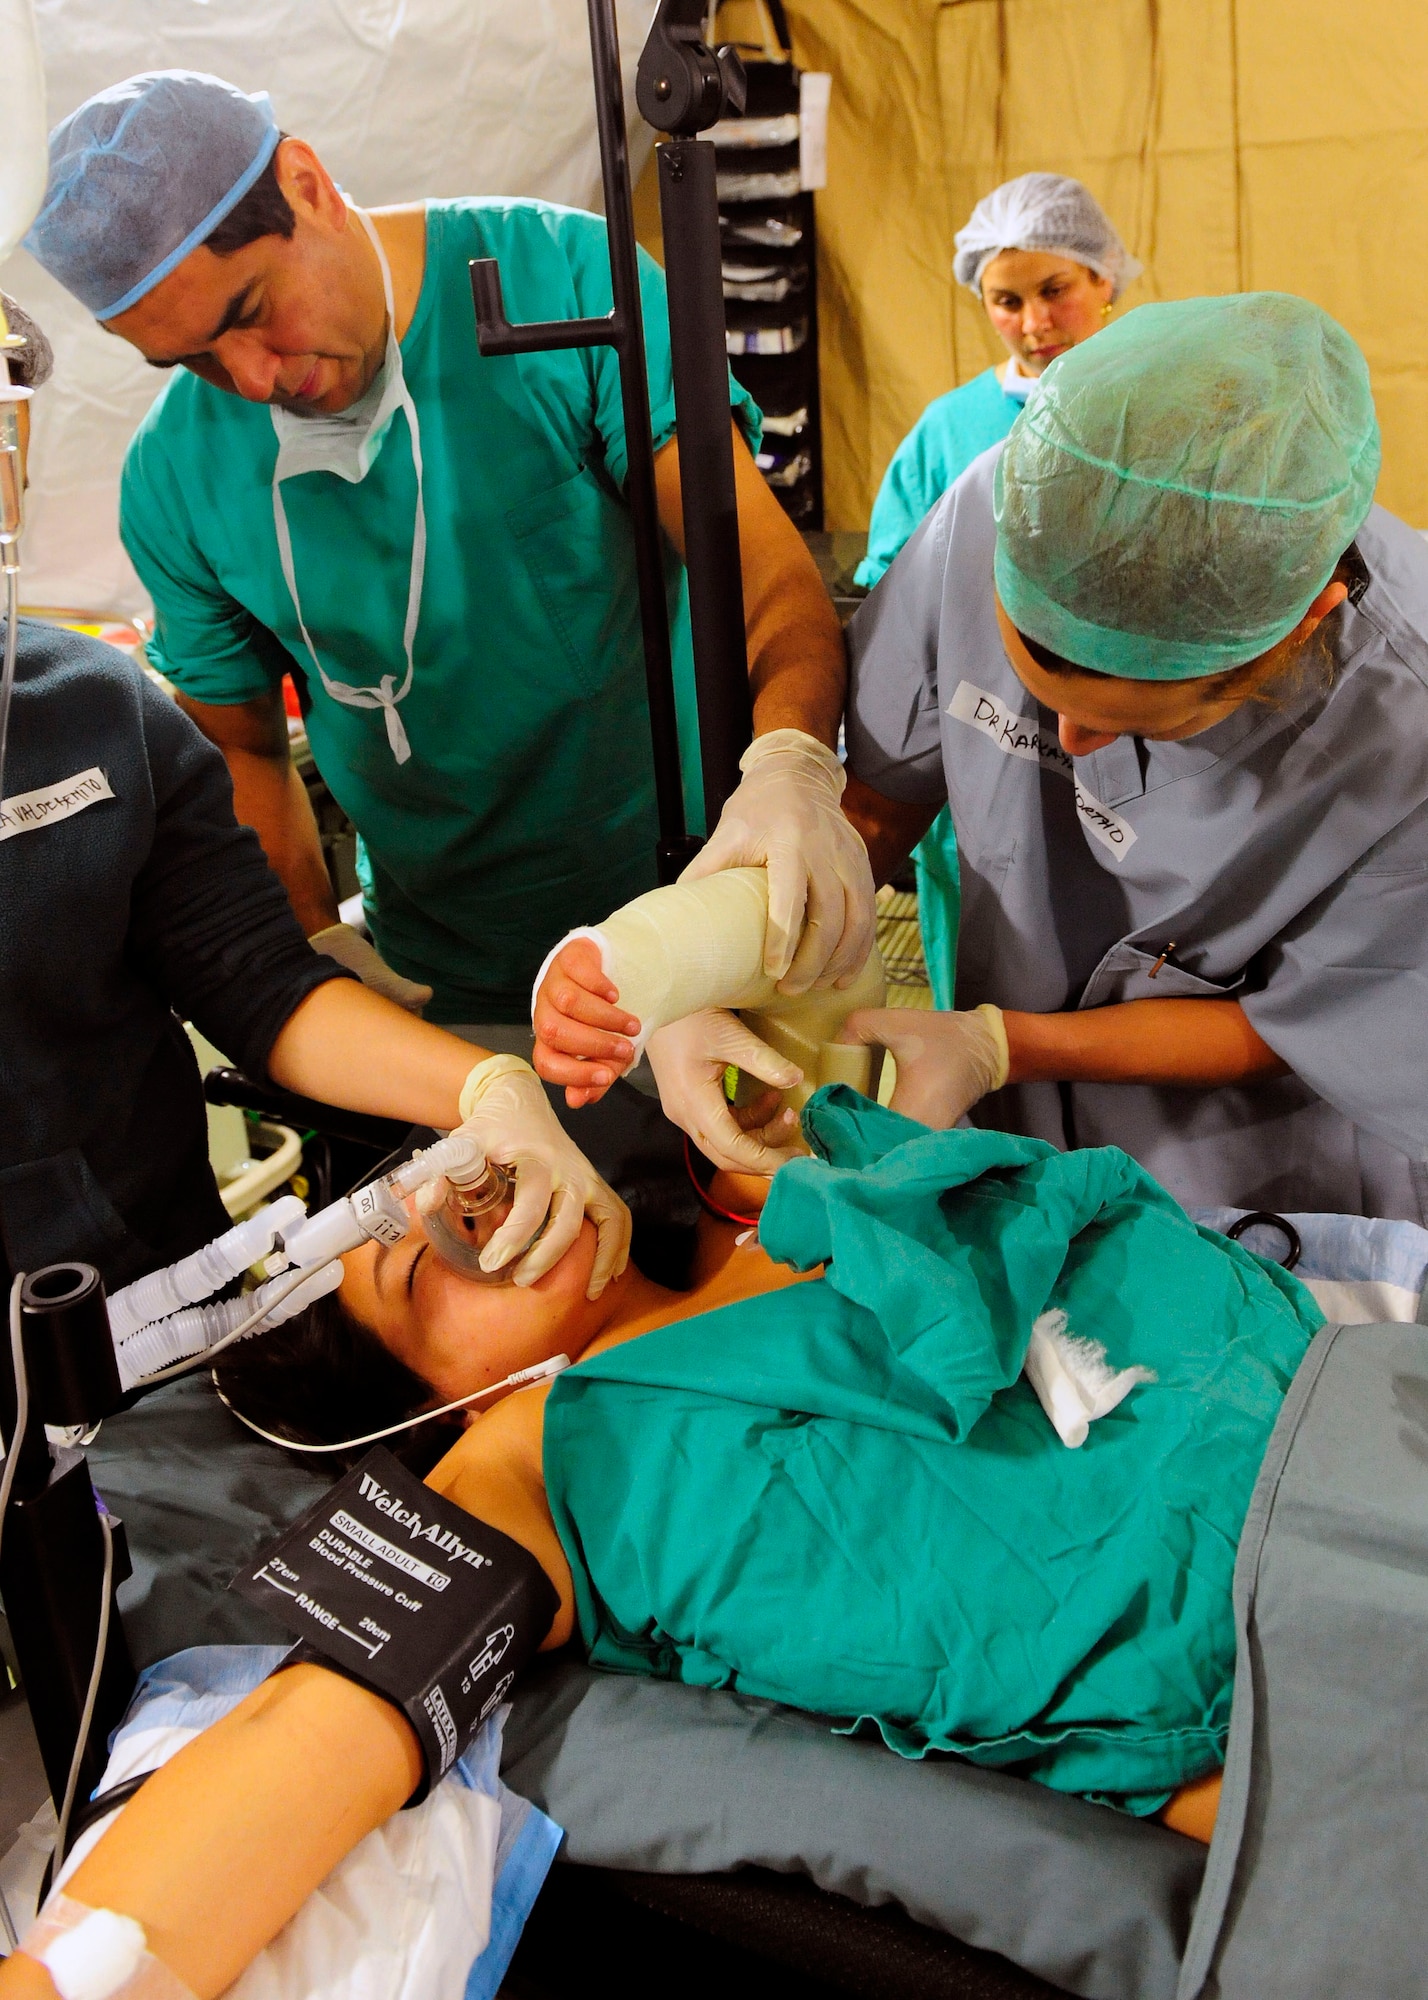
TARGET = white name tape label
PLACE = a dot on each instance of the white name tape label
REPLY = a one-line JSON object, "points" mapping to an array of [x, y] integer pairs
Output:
{"points": [[29, 810], [1020, 736]]}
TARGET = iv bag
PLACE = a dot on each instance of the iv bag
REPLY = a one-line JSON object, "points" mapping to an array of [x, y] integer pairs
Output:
{"points": [[24, 148]]}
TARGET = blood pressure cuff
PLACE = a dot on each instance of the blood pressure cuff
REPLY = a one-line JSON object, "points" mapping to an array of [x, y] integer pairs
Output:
{"points": [[398, 1589]]}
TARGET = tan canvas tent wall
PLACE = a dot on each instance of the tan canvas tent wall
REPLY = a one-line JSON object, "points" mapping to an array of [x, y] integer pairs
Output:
{"points": [[1237, 144]]}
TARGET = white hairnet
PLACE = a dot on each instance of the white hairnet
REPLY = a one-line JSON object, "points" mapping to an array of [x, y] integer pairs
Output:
{"points": [[1042, 212]]}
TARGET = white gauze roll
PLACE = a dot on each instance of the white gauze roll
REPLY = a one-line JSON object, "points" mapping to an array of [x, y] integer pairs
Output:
{"points": [[678, 950]]}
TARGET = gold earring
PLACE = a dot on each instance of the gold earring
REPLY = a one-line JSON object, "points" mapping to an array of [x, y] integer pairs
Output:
{"points": [[1106, 310]]}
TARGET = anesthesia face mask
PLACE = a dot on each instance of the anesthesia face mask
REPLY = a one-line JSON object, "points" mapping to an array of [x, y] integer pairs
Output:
{"points": [[459, 1228], [470, 1199]]}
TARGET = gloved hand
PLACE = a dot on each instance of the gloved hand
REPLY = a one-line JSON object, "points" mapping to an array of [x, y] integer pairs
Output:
{"points": [[945, 1062], [786, 816], [689, 1059], [348, 947], [506, 1111]]}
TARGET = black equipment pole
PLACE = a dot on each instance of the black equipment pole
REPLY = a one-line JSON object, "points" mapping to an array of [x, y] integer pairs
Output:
{"points": [[622, 329], [689, 208], [682, 87]]}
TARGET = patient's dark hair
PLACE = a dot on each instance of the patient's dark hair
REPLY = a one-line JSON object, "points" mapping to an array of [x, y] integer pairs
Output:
{"points": [[320, 1377], [263, 211]]}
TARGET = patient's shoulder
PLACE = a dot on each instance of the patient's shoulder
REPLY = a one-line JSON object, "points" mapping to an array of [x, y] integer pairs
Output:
{"points": [[501, 1446], [742, 1195], [496, 1473]]}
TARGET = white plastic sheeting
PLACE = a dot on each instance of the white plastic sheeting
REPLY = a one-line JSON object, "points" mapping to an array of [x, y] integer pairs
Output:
{"points": [[402, 98], [22, 121]]}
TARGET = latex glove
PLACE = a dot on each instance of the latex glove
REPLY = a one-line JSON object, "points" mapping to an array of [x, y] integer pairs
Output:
{"points": [[348, 947], [945, 1062], [786, 816], [689, 1059], [506, 1111]]}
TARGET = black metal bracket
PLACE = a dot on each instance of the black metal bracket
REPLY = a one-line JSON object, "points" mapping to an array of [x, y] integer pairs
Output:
{"points": [[623, 330], [231, 1086], [682, 86], [497, 335]]}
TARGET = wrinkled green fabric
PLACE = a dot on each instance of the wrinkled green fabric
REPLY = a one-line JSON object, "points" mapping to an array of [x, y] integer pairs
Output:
{"points": [[844, 1497]]}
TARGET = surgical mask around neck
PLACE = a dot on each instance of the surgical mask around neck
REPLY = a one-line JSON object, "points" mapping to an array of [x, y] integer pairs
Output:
{"points": [[345, 442], [347, 445], [1014, 383]]}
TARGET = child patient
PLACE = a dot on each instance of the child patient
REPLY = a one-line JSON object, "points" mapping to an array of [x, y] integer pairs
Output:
{"points": [[818, 1476]]}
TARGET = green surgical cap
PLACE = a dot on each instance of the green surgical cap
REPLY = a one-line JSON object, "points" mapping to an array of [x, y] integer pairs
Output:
{"points": [[1178, 490]]}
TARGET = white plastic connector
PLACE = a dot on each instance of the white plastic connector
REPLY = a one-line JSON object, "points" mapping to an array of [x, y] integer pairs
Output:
{"points": [[198, 1329], [457, 1158], [205, 1272], [377, 1210]]}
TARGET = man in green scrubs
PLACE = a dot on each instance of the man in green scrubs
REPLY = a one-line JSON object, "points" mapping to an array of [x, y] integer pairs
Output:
{"points": [[337, 485]]}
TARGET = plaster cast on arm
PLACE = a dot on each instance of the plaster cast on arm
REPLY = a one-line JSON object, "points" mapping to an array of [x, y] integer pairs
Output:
{"points": [[680, 950]]}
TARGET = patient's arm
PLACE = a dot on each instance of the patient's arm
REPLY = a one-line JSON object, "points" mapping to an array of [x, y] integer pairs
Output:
{"points": [[1194, 1807], [224, 1844], [679, 956], [579, 1023]]}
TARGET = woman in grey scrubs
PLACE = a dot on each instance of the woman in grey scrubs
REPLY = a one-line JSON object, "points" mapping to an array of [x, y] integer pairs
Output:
{"points": [[1168, 666]]}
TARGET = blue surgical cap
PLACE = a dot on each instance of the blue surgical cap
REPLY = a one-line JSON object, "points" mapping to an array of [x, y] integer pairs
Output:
{"points": [[140, 175]]}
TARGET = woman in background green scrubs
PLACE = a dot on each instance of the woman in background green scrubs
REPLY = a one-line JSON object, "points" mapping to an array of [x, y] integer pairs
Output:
{"points": [[1047, 264]]}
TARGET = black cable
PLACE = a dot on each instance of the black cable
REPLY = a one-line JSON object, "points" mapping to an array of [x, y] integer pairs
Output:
{"points": [[88, 1812], [322, 1169], [22, 1402], [86, 1719], [12, 1463], [1290, 1234]]}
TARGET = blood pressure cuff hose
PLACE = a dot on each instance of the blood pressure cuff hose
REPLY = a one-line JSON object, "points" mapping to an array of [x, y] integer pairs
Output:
{"points": [[398, 1589]]}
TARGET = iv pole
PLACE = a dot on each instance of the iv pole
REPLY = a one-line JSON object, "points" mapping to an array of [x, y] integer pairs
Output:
{"points": [[682, 88]]}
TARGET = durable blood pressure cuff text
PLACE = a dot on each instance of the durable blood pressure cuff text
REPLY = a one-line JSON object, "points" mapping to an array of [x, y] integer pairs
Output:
{"points": [[386, 1582]]}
